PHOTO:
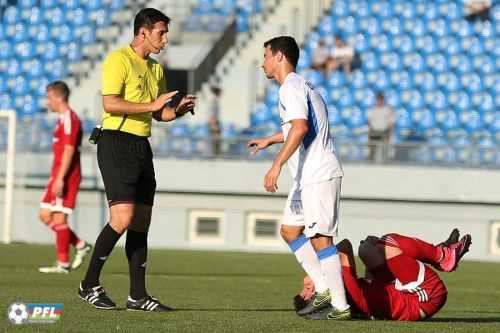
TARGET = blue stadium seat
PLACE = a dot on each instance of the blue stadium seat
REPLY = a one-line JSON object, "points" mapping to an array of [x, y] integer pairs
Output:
{"points": [[425, 81], [6, 50], [357, 80], [48, 3], [13, 68], [6, 102], [370, 26], [55, 16], [71, 4], [27, 3], [426, 44], [334, 117], [94, 4], [335, 80], [42, 34], [35, 16], [370, 61], [415, 27], [403, 44], [35, 68], [449, 45]]}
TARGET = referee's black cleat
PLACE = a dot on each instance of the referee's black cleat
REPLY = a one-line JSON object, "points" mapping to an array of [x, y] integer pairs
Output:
{"points": [[148, 303], [96, 296]]}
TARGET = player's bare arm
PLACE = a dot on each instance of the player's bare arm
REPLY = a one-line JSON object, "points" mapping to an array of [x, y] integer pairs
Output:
{"points": [[262, 143], [168, 113], [294, 139], [117, 105], [67, 157]]}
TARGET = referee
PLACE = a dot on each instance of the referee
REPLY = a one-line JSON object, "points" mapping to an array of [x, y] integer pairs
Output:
{"points": [[134, 92]]}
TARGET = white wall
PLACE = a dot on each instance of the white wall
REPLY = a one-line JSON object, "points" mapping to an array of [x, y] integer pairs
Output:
{"points": [[422, 202]]}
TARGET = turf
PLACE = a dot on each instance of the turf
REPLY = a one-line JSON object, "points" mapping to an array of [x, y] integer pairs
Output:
{"points": [[223, 292]]}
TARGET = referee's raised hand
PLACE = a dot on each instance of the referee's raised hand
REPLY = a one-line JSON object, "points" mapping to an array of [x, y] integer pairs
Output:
{"points": [[163, 99]]}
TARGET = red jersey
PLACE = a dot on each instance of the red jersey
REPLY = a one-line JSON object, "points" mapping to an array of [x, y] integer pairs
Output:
{"points": [[68, 131], [391, 300]]}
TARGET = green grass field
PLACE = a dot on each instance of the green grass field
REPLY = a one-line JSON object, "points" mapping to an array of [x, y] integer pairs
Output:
{"points": [[223, 292]]}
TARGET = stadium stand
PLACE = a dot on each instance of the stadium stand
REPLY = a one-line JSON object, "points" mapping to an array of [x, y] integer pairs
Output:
{"points": [[43, 41], [211, 15], [439, 72]]}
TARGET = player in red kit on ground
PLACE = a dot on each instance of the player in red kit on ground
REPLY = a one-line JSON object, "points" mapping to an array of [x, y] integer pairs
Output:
{"points": [[59, 198], [399, 283]]}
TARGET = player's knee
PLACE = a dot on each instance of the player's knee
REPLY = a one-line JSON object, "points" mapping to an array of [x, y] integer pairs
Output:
{"points": [[290, 234], [44, 215], [59, 218], [120, 223]]}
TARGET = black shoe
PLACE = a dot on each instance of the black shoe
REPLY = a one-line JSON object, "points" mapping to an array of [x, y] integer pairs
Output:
{"points": [[329, 313], [299, 303], [148, 303], [97, 297], [453, 238], [318, 302]]}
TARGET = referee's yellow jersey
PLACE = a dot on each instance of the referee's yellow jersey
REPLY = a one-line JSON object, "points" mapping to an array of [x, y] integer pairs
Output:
{"points": [[136, 80]]}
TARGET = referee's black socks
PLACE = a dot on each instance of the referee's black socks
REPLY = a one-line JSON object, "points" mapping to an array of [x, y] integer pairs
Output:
{"points": [[102, 249], [136, 248]]}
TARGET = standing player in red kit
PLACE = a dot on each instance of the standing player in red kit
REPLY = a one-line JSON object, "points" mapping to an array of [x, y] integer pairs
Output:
{"points": [[59, 198], [399, 284]]}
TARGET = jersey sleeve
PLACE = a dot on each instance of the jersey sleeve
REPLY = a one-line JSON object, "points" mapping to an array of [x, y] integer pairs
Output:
{"points": [[294, 102], [114, 73], [71, 130]]}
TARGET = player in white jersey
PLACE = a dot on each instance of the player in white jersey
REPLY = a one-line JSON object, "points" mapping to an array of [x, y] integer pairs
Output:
{"points": [[310, 217]]}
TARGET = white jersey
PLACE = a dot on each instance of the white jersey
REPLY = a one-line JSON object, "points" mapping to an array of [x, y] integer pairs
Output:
{"points": [[315, 160]]}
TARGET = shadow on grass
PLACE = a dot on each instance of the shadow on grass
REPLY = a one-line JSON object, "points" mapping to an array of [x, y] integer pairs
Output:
{"points": [[224, 310], [187, 274], [465, 320]]}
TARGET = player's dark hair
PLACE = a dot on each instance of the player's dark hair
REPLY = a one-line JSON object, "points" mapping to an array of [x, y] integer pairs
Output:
{"points": [[61, 87], [380, 95], [286, 45], [147, 17]]}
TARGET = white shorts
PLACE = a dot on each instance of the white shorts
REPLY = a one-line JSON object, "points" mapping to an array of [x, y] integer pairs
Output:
{"points": [[315, 207]]}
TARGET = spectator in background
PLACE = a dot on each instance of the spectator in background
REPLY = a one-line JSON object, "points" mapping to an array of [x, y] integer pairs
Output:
{"points": [[340, 56], [477, 9], [319, 56], [214, 121], [381, 120]]}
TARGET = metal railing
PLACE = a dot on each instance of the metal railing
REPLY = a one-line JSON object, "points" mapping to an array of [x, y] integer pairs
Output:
{"points": [[409, 153]]}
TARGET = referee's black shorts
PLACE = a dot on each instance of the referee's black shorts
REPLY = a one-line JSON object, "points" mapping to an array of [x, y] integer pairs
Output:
{"points": [[126, 164]]}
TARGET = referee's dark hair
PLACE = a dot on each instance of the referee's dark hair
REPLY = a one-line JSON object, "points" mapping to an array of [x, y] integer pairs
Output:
{"points": [[147, 17], [61, 88], [286, 45]]}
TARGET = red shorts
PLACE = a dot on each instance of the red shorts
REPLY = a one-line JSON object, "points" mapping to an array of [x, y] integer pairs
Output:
{"points": [[384, 300], [67, 202]]}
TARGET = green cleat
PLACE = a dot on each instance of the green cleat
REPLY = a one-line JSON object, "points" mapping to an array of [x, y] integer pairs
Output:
{"points": [[317, 303], [330, 313]]}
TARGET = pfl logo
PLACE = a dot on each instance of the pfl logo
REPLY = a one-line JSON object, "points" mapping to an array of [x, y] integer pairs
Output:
{"points": [[20, 313]]}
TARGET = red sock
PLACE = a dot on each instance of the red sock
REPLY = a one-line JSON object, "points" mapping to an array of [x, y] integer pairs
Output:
{"points": [[63, 235], [413, 248], [404, 268]]}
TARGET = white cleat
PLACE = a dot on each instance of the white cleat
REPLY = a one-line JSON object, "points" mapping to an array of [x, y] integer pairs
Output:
{"points": [[80, 256], [57, 269]]}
